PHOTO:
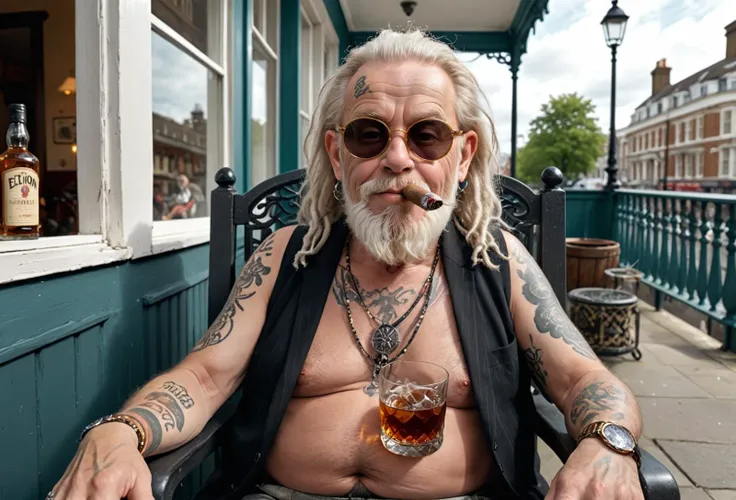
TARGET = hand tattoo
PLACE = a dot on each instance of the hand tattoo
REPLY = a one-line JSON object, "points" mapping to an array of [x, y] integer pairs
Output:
{"points": [[360, 87], [251, 275], [549, 317], [534, 359], [595, 399]]}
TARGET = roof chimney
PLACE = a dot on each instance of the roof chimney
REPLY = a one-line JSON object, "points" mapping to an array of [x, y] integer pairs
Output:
{"points": [[660, 76], [731, 40]]}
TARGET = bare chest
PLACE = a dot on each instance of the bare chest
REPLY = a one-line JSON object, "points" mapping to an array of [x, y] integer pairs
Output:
{"points": [[336, 362]]}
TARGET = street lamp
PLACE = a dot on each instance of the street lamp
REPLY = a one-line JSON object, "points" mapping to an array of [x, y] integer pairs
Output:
{"points": [[614, 28]]}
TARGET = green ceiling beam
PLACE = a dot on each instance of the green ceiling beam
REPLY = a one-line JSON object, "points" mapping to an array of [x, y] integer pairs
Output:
{"points": [[462, 41]]}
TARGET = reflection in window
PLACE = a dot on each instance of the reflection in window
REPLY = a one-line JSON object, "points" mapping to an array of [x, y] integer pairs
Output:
{"points": [[180, 97], [187, 17]]}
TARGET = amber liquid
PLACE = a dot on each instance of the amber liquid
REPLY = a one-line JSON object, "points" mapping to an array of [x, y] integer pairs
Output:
{"points": [[12, 158], [412, 427]]}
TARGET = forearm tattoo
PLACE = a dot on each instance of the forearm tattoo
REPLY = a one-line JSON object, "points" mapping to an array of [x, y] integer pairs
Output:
{"points": [[163, 408], [534, 359], [595, 399], [549, 316], [245, 287]]}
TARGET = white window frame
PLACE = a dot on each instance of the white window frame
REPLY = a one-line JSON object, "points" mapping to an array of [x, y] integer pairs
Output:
{"points": [[729, 154], [699, 165], [731, 129], [115, 185], [323, 38], [701, 127], [265, 45], [689, 166], [678, 166]]}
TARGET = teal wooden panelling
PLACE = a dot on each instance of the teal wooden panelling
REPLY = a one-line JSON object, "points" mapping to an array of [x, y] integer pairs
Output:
{"points": [[74, 347], [242, 91], [588, 214], [337, 16], [289, 137]]}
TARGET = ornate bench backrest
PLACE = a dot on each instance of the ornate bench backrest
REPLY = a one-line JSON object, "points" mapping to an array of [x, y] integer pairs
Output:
{"points": [[537, 219]]}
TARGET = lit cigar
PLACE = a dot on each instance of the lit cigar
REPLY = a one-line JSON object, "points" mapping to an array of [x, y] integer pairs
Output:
{"points": [[421, 198]]}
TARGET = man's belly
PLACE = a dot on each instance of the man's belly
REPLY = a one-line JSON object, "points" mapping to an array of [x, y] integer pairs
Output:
{"points": [[328, 443]]}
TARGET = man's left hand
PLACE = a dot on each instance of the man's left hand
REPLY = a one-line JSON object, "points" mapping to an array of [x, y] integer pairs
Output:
{"points": [[595, 471]]}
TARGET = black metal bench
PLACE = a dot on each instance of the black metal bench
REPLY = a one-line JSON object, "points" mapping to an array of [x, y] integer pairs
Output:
{"points": [[537, 219]]}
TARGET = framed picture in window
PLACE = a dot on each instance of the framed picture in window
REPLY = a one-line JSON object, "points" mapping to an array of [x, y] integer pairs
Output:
{"points": [[65, 130]]}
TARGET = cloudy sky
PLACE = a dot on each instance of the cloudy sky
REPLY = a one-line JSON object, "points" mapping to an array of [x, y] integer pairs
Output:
{"points": [[568, 54]]}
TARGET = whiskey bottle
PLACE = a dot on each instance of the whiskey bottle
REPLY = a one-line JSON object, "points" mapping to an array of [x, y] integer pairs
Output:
{"points": [[19, 196]]}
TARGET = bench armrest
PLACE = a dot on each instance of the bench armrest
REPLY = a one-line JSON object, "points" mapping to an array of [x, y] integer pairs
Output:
{"points": [[169, 469], [656, 480]]}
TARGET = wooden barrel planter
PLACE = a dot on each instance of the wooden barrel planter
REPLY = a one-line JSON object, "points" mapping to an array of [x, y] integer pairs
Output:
{"points": [[587, 261]]}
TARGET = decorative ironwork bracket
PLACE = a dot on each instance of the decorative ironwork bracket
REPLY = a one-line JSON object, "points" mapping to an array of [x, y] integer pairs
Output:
{"points": [[500, 57]]}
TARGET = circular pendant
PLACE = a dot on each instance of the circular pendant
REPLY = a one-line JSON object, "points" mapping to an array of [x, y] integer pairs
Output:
{"points": [[385, 339]]}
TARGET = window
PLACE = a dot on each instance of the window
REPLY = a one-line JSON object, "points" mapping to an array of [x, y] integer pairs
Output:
{"points": [[318, 46], [725, 170], [688, 166], [703, 90], [722, 85], [264, 90], [701, 127], [145, 119], [688, 130], [678, 166], [699, 167], [189, 110], [726, 122]]}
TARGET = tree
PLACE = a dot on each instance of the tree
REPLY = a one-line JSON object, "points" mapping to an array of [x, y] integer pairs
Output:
{"points": [[566, 135]]}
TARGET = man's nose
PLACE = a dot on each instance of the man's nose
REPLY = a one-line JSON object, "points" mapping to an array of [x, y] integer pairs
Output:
{"points": [[397, 159]]}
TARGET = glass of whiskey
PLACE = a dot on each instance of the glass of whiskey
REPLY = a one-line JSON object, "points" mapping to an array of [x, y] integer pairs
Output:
{"points": [[413, 402]]}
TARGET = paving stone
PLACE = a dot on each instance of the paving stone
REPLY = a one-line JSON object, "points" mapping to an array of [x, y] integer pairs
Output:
{"points": [[653, 333], [549, 463], [681, 355], [708, 465], [722, 494], [656, 451], [646, 379], [720, 382], [693, 494], [705, 420]]}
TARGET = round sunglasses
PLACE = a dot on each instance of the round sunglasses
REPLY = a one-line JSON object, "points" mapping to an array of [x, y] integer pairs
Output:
{"points": [[429, 139]]}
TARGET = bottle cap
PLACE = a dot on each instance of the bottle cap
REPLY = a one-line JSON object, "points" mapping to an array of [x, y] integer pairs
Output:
{"points": [[17, 113]]}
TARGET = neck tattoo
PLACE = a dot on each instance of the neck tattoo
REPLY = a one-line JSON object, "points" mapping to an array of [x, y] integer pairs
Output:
{"points": [[385, 338]]}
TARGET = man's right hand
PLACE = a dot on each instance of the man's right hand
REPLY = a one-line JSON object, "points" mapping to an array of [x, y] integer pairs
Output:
{"points": [[107, 466]]}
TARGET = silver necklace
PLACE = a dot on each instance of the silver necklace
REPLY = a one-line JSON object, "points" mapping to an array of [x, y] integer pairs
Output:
{"points": [[385, 338]]}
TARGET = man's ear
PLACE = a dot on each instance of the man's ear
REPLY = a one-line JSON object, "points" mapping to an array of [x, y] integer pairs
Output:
{"points": [[332, 146], [467, 153]]}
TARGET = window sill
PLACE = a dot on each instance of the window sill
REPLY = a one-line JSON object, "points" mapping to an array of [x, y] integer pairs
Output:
{"points": [[22, 260], [174, 235]]}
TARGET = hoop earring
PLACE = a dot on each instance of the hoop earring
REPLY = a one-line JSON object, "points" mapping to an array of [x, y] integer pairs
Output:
{"points": [[337, 191]]}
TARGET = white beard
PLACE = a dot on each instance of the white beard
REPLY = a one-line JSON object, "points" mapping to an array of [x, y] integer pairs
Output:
{"points": [[391, 236]]}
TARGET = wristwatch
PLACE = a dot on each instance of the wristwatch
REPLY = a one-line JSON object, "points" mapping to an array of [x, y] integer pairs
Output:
{"points": [[616, 437], [123, 419]]}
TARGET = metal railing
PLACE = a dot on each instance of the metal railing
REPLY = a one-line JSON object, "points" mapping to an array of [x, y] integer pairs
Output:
{"points": [[685, 245]]}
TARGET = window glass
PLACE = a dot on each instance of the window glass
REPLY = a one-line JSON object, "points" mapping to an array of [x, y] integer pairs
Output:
{"points": [[181, 95], [189, 18]]}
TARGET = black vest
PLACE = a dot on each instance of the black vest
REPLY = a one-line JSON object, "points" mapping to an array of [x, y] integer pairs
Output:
{"points": [[480, 299]]}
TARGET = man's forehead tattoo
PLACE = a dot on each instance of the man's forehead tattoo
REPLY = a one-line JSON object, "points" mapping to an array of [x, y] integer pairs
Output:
{"points": [[360, 87]]}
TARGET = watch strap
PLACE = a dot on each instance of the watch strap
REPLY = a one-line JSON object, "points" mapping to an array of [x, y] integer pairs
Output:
{"points": [[595, 429], [123, 419]]}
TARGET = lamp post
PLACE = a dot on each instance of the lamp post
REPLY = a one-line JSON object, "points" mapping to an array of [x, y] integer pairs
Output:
{"points": [[614, 27]]}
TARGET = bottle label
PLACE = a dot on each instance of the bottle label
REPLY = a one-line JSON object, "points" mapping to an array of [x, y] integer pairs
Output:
{"points": [[20, 197]]}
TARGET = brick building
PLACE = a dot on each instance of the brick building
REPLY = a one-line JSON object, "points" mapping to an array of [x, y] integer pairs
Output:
{"points": [[692, 123]]}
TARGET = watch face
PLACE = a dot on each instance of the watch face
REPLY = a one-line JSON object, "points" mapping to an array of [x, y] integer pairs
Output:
{"points": [[618, 437]]}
